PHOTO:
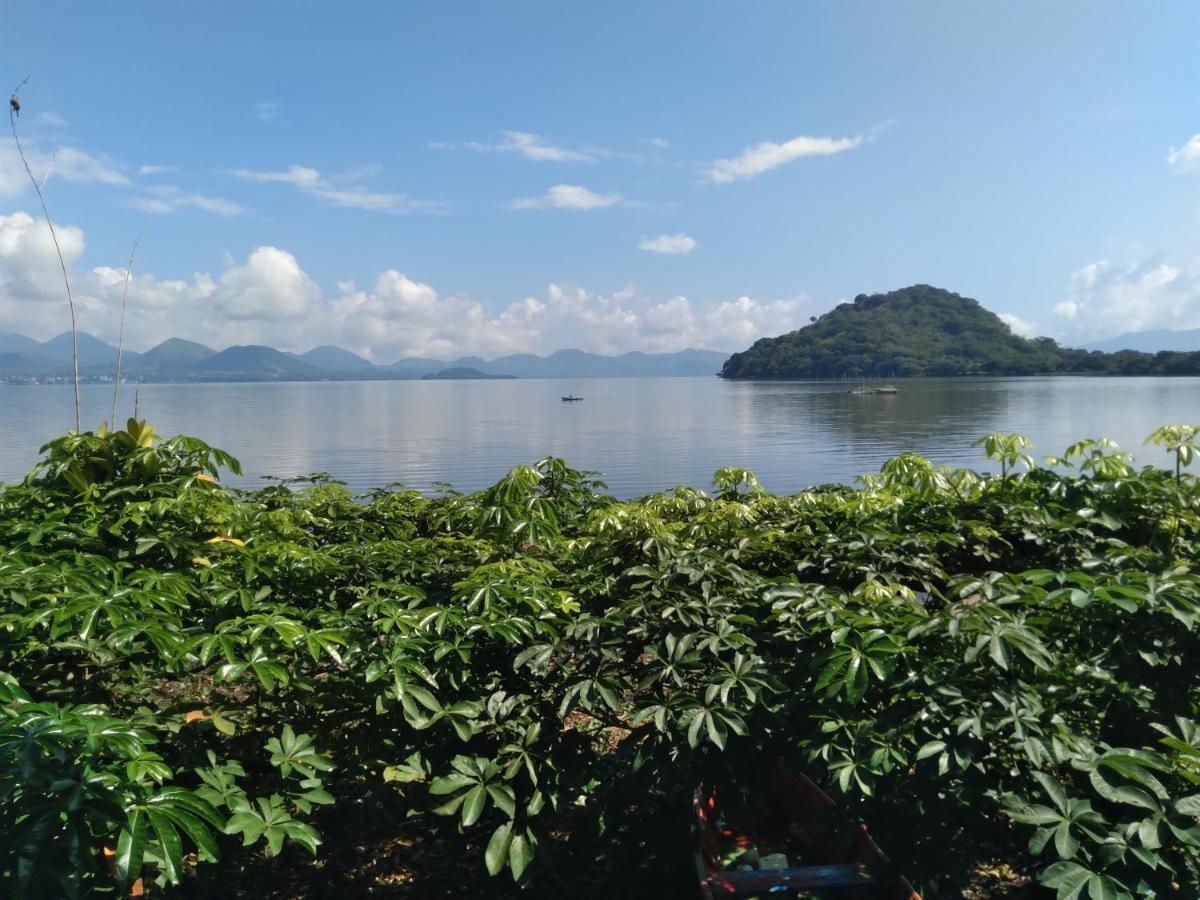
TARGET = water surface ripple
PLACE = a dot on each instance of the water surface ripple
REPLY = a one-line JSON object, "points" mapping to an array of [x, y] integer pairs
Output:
{"points": [[643, 434]]}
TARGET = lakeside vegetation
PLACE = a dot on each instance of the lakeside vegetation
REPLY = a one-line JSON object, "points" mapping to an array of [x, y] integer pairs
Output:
{"points": [[923, 330], [394, 694]]}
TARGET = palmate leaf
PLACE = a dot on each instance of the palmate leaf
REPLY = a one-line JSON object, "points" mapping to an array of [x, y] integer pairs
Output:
{"points": [[269, 819], [296, 751], [160, 820]]}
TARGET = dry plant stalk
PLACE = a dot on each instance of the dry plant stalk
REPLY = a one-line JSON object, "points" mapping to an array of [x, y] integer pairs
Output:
{"points": [[121, 333], [61, 262]]}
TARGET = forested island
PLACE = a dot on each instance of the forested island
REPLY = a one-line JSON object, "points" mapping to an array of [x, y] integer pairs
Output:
{"points": [[924, 330], [462, 373]]}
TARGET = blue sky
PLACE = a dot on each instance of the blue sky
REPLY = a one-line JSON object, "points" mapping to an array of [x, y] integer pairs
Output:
{"points": [[443, 178]]}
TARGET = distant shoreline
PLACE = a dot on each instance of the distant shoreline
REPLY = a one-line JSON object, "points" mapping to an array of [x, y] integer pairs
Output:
{"points": [[848, 382]]}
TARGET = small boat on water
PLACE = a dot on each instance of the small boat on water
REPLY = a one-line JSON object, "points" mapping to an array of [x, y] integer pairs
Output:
{"points": [[787, 836], [571, 398]]}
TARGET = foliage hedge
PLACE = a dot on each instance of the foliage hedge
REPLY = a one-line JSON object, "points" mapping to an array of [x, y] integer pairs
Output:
{"points": [[994, 671]]}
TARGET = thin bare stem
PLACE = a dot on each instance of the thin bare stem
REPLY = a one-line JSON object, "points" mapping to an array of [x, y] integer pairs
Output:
{"points": [[121, 334], [61, 262]]}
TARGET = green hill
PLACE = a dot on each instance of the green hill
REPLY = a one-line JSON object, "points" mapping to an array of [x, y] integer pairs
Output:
{"points": [[171, 355], [334, 358], [923, 330], [253, 360]]}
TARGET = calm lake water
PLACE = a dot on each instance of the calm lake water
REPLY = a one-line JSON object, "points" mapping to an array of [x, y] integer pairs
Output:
{"points": [[643, 434]]}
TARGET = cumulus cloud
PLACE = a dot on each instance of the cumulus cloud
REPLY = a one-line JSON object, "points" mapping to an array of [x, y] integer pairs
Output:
{"points": [[1187, 157], [524, 144], [1017, 325], [29, 270], [342, 190], [270, 286], [763, 157], [268, 298], [567, 196], [669, 244], [1106, 298]]}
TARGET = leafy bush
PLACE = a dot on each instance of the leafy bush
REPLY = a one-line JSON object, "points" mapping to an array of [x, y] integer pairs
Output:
{"points": [[985, 668]]}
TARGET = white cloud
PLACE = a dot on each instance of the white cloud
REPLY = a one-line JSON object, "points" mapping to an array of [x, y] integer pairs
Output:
{"points": [[268, 298], [1187, 157], [1067, 309], [534, 147], [168, 199], [567, 196], [342, 190], [670, 244], [266, 111], [270, 286], [51, 119], [526, 145], [657, 142], [767, 155], [72, 164], [1109, 298], [299, 176], [29, 270], [157, 170], [1018, 325], [68, 163]]}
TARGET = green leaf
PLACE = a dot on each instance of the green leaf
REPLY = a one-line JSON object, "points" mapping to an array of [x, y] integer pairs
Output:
{"points": [[930, 749], [504, 797], [473, 805], [248, 824], [1101, 887], [496, 854], [520, 854], [171, 856], [1053, 789], [131, 846], [1067, 878]]}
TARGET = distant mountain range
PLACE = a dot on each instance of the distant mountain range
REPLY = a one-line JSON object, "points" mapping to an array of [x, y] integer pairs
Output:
{"points": [[1151, 341], [24, 359]]}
